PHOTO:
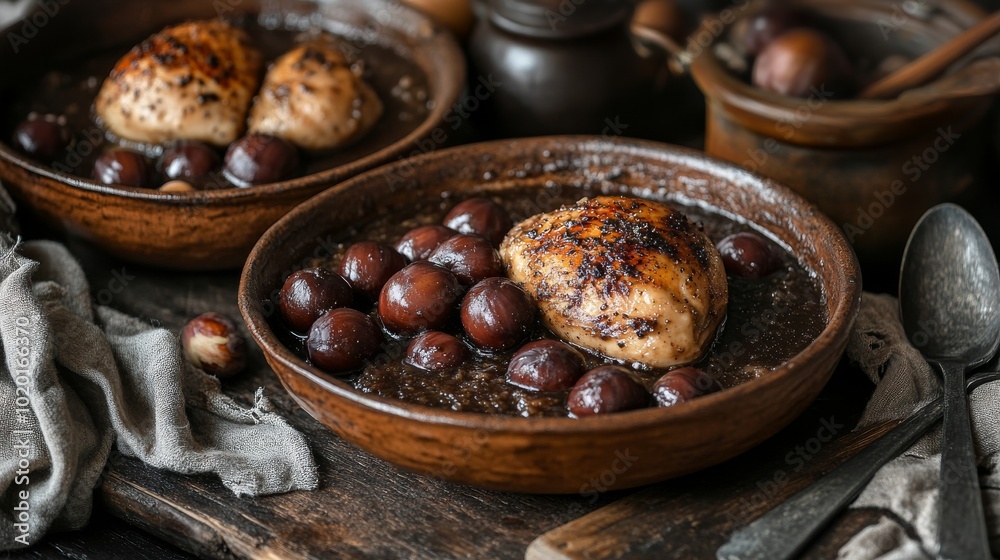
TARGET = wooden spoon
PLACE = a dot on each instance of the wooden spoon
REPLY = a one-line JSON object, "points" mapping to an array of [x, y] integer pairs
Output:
{"points": [[930, 65]]}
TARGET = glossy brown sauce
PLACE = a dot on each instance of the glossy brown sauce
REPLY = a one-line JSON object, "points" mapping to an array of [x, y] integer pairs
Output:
{"points": [[768, 321], [69, 91]]}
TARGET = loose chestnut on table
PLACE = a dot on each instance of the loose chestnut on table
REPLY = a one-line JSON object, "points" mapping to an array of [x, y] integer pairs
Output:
{"points": [[213, 343]]}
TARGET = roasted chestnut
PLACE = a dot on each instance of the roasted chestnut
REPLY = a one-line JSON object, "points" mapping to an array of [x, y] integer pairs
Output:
{"points": [[213, 343], [470, 258], [480, 216], [604, 390], [683, 384], [546, 365], [309, 293], [190, 161], [342, 340], [421, 297], [748, 255], [368, 265], [258, 158], [119, 166], [801, 63], [420, 242], [497, 314], [435, 350], [176, 187], [41, 137], [753, 34]]}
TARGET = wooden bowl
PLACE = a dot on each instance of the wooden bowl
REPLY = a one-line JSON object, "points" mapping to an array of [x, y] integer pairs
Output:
{"points": [[874, 167], [559, 455], [207, 229]]}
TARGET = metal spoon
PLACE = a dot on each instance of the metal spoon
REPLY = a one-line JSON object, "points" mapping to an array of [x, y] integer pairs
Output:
{"points": [[780, 534], [949, 296]]}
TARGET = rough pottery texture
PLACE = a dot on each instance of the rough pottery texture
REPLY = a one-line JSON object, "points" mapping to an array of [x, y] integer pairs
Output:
{"points": [[559, 455]]}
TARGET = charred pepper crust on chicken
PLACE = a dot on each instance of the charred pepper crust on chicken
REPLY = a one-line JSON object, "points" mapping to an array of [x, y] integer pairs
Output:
{"points": [[193, 81], [197, 80], [312, 97], [631, 279]]}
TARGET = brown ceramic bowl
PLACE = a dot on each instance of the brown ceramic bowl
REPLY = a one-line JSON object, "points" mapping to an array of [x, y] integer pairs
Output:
{"points": [[559, 455], [873, 166], [207, 229]]}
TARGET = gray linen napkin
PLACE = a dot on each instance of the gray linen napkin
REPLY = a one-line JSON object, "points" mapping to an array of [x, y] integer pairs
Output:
{"points": [[908, 485], [78, 379]]}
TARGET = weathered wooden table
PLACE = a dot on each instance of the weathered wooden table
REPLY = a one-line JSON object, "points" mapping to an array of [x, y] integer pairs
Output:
{"points": [[366, 508]]}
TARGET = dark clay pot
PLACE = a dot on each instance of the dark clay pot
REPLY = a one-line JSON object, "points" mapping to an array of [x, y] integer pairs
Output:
{"points": [[550, 67]]}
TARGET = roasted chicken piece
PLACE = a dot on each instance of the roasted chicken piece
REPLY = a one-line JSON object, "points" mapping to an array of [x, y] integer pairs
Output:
{"points": [[313, 98], [631, 279], [193, 81]]}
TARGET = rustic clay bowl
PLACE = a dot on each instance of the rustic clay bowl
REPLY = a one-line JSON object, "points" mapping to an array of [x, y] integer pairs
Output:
{"points": [[208, 229], [559, 455], [856, 159]]}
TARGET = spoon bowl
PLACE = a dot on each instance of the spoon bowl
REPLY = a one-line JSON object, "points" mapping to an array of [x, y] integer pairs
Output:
{"points": [[949, 291]]}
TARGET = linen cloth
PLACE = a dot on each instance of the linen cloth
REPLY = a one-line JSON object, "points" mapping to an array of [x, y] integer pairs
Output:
{"points": [[78, 380], [908, 485]]}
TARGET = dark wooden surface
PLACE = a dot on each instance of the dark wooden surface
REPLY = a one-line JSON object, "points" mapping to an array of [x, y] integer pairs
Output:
{"points": [[367, 508]]}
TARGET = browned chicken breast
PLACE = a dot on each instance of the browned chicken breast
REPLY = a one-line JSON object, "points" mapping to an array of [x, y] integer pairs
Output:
{"points": [[193, 81], [312, 98], [628, 278]]}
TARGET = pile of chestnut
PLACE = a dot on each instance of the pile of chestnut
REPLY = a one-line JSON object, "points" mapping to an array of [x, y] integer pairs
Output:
{"points": [[183, 166], [792, 56], [438, 278]]}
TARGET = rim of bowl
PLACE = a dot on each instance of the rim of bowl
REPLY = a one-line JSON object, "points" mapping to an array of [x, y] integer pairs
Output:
{"points": [[836, 330], [439, 42]]}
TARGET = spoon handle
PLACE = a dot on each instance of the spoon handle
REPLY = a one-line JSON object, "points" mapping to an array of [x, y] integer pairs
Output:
{"points": [[782, 532], [962, 530]]}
